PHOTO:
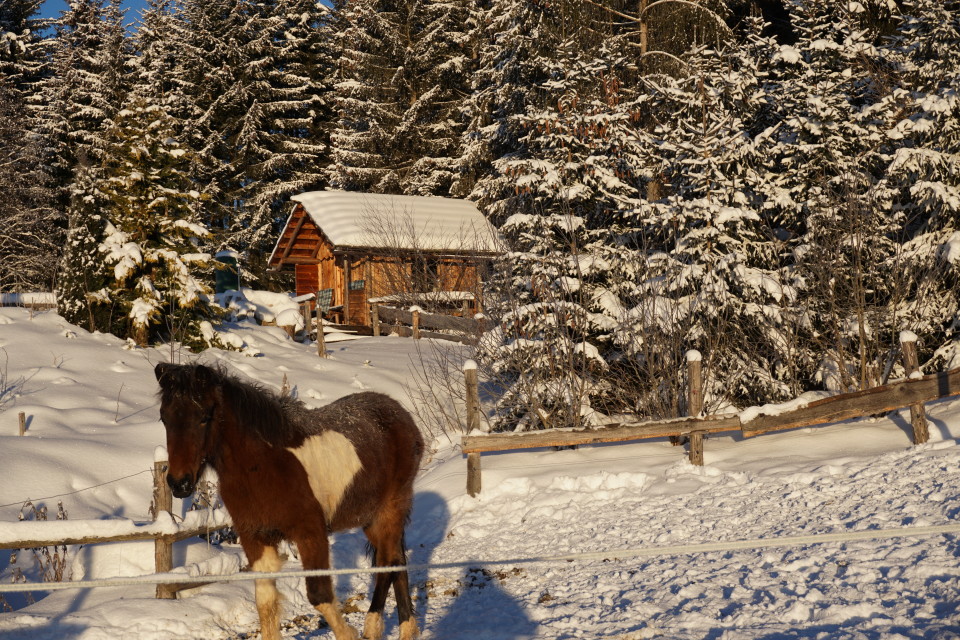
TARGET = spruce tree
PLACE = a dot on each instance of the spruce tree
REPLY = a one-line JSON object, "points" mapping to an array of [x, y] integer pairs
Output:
{"points": [[281, 146], [250, 81], [923, 176], [152, 234], [403, 73], [32, 228], [82, 93], [22, 55], [828, 186]]}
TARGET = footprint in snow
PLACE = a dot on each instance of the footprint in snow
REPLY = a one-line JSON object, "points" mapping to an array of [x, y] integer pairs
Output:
{"points": [[120, 367], [357, 384]]}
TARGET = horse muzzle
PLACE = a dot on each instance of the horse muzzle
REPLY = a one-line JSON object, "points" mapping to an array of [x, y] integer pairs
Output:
{"points": [[181, 487]]}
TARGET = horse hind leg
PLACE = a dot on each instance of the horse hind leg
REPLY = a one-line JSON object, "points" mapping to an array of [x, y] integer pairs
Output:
{"points": [[264, 558], [401, 590], [315, 554], [386, 538]]}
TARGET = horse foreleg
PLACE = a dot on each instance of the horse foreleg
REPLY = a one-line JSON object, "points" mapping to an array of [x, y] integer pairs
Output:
{"points": [[315, 554], [264, 557]]}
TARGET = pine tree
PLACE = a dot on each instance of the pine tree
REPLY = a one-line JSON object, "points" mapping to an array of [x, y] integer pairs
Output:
{"points": [[431, 126], [516, 44], [718, 271], [621, 183], [154, 66], [209, 102], [250, 84]]}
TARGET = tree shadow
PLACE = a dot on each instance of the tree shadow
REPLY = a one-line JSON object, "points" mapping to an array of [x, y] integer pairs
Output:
{"points": [[481, 609], [54, 628]]}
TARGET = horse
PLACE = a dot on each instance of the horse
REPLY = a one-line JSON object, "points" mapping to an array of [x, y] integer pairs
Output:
{"points": [[292, 473]]}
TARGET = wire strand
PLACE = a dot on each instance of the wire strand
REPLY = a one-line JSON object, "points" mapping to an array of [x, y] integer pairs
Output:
{"points": [[618, 554], [70, 493]]}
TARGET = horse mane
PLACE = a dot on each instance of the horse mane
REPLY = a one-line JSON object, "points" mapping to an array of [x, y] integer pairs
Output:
{"points": [[276, 419]]}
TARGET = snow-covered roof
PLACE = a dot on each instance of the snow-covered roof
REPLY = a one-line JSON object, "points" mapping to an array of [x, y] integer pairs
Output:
{"points": [[427, 223]]}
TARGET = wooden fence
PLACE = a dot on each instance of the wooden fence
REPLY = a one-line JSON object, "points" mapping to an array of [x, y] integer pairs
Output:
{"points": [[913, 392], [163, 531], [417, 324]]}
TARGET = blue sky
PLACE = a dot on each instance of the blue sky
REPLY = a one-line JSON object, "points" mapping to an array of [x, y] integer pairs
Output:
{"points": [[52, 8]]}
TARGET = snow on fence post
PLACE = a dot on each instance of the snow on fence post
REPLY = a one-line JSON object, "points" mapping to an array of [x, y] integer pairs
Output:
{"points": [[375, 318], [23, 423], [918, 415], [695, 403], [163, 501], [473, 424]]}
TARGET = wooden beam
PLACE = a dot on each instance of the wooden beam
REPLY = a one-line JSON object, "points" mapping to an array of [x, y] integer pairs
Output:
{"points": [[347, 277], [121, 537], [162, 549], [825, 411], [918, 414], [860, 403], [293, 237], [430, 320], [612, 433]]}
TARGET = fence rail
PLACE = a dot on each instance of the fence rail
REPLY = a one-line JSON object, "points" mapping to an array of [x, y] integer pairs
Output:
{"points": [[30, 534], [414, 323], [163, 530], [912, 392]]}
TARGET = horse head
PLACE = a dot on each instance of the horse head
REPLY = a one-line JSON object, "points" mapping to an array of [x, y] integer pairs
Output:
{"points": [[189, 401]]}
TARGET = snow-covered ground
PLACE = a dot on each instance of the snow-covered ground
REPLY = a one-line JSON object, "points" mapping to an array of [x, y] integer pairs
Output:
{"points": [[93, 428]]}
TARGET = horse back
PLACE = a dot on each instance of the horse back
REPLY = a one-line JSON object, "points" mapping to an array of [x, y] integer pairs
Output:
{"points": [[363, 450]]}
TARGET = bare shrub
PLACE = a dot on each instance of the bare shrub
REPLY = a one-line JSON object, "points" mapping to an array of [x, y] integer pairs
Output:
{"points": [[48, 563], [9, 387]]}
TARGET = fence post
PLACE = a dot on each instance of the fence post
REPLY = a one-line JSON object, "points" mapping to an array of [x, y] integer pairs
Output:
{"points": [[321, 340], [695, 403], [375, 318], [473, 423], [23, 423], [416, 324], [307, 321], [163, 501], [918, 414]]}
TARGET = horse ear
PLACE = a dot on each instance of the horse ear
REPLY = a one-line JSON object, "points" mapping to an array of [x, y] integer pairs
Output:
{"points": [[203, 374], [161, 369]]}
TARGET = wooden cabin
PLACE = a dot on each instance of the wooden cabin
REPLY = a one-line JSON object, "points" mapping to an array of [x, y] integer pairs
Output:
{"points": [[349, 248]]}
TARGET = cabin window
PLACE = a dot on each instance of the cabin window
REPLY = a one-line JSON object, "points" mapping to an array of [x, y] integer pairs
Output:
{"points": [[426, 273]]}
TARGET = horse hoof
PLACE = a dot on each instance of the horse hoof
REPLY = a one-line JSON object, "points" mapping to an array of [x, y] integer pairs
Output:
{"points": [[409, 630], [373, 627]]}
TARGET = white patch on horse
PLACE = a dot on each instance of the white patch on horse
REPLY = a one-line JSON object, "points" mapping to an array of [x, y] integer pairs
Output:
{"points": [[331, 463]]}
